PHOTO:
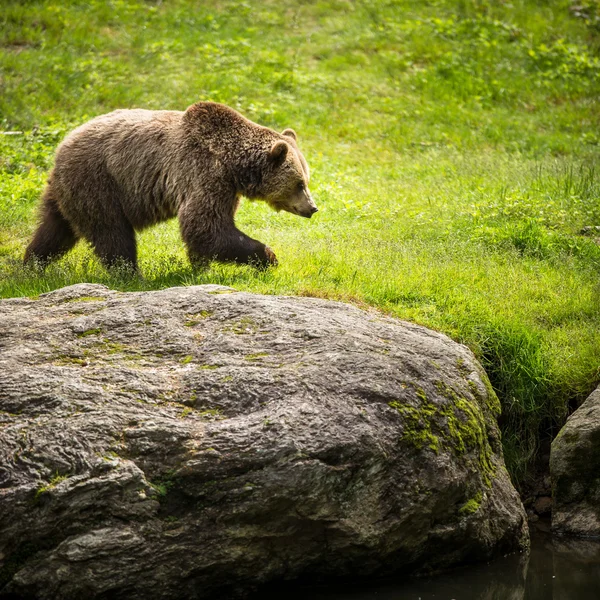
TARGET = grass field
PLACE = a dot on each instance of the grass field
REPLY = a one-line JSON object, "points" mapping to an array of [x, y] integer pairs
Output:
{"points": [[454, 150]]}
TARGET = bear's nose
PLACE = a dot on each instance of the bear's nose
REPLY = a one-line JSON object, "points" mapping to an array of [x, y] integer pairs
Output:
{"points": [[313, 210]]}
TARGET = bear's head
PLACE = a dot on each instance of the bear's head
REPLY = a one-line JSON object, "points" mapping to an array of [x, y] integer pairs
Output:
{"points": [[285, 184]]}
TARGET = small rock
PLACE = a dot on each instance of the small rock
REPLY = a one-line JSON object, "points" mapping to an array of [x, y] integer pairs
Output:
{"points": [[574, 468], [590, 230], [543, 506], [532, 517]]}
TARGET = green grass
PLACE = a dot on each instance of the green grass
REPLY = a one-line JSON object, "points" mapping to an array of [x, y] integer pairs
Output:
{"points": [[453, 147]]}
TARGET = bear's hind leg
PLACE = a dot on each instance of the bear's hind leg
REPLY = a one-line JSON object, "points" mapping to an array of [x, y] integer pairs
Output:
{"points": [[116, 247], [54, 236]]}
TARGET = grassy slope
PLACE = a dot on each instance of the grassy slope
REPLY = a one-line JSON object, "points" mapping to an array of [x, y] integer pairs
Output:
{"points": [[452, 145]]}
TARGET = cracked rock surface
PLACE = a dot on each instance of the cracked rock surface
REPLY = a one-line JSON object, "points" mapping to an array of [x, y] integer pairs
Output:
{"points": [[198, 442]]}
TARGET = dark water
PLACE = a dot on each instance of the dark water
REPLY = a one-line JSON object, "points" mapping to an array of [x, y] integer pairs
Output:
{"points": [[556, 569]]}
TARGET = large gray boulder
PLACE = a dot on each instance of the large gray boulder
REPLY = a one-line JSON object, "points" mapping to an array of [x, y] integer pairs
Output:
{"points": [[575, 471], [199, 442]]}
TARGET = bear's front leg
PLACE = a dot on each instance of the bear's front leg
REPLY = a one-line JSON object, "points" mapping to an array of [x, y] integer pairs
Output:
{"points": [[234, 246], [207, 240]]}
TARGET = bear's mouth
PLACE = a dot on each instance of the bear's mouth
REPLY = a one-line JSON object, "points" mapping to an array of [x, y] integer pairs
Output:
{"points": [[306, 213]]}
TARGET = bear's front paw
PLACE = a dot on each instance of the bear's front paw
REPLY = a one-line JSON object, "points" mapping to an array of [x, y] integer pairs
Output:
{"points": [[271, 258]]}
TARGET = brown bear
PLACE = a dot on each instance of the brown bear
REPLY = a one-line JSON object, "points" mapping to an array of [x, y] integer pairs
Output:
{"points": [[130, 169]]}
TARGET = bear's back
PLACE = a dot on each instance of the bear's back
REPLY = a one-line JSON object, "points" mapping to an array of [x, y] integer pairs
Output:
{"points": [[107, 131], [121, 154]]}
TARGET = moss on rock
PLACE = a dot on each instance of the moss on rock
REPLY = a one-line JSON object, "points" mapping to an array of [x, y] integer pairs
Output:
{"points": [[471, 506], [452, 423]]}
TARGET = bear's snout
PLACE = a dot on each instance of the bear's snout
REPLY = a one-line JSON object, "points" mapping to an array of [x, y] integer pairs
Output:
{"points": [[307, 212]]}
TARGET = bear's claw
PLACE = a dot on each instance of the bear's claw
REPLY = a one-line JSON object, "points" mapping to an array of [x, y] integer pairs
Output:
{"points": [[271, 256]]}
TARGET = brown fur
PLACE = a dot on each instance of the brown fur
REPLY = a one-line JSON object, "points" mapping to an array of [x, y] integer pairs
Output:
{"points": [[130, 169]]}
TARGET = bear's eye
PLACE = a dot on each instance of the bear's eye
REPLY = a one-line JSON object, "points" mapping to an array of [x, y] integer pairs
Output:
{"points": [[301, 186]]}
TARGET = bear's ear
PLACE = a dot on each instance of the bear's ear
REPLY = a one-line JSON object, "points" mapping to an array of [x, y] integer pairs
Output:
{"points": [[290, 133], [278, 152]]}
